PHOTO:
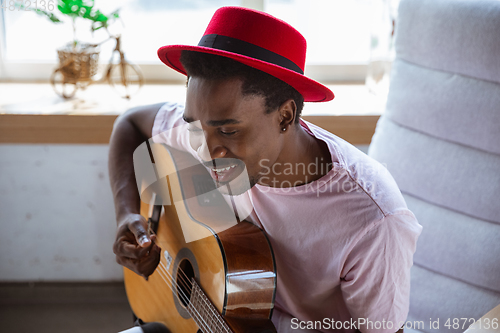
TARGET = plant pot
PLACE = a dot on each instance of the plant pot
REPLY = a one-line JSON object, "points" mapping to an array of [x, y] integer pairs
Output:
{"points": [[78, 64]]}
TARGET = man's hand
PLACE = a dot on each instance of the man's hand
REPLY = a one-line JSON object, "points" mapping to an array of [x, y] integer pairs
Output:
{"points": [[134, 248]]}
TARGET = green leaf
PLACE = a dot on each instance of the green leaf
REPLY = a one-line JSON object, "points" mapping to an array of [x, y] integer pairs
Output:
{"points": [[64, 8], [75, 8], [101, 17]]}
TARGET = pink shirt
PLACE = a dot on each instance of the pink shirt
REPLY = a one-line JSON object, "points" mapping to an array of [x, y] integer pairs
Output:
{"points": [[343, 244]]}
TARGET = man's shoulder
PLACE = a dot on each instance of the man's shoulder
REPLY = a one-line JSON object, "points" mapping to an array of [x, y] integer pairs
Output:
{"points": [[169, 116], [369, 178], [375, 200]]}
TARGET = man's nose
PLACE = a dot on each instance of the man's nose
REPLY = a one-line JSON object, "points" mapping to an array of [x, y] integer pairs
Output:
{"points": [[207, 148]]}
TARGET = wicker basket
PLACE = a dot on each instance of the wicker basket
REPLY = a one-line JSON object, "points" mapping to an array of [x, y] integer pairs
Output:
{"points": [[80, 64]]}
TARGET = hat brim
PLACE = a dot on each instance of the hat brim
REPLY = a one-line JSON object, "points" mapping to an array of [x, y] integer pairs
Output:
{"points": [[311, 90]]}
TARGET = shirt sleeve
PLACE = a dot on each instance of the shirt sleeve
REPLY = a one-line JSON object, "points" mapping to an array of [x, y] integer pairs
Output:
{"points": [[170, 128], [376, 276]]}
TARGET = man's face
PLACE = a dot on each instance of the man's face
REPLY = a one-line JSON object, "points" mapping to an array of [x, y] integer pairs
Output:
{"points": [[235, 131]]}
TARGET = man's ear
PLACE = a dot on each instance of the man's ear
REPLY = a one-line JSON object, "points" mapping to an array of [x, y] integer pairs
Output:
{"points": [[288, 112]]}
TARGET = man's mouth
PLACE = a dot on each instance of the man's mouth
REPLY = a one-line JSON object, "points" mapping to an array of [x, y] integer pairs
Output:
{"points": [[223, 169], [226, 173]]}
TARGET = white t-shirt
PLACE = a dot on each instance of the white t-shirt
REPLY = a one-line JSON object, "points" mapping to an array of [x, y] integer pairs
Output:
{"points": [[343, 244]]}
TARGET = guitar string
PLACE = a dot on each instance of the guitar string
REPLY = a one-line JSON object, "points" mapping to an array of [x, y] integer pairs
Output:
{"points": [[202, 321], [187, 285], [207, 305], [198, 313], [216, 314], [184, 297], [167, 277]]}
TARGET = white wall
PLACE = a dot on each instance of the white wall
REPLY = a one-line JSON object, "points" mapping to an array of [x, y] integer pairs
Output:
{"points": [[57, 220], [56, 214]]}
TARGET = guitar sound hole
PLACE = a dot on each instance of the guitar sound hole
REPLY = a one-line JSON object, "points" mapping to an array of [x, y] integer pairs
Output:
{"points": [[185, 274]]}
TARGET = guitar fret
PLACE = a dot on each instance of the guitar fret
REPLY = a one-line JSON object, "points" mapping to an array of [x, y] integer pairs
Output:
{"points": [[212, 323], [195, 312], [204, 312]]}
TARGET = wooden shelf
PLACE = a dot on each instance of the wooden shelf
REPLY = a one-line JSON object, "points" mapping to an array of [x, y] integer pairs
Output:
{"points": [[32, 113], [96, 129], [28, 128]]}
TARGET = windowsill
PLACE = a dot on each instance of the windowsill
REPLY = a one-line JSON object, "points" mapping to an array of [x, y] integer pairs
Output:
{"points": [[97, 99], [22, 105]]}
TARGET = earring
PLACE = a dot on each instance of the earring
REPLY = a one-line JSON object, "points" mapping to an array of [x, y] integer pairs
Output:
{"points": [[283, 129]]}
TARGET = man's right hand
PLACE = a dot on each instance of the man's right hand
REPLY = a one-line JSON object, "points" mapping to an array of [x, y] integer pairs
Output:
{"points": [[134, 248]]}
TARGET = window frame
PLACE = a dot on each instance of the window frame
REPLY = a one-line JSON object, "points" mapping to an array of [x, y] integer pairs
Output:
{"points": [[159, 73], [23, 71]]}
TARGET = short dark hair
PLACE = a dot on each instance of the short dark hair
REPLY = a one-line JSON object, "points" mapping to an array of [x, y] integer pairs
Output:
{"points": [[255, 82]]}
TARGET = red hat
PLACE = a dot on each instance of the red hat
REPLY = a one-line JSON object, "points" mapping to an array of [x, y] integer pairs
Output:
{"points": [[258, 40]]}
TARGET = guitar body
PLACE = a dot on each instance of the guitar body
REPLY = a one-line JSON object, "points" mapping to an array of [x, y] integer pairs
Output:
{"points": [[231, 261]]}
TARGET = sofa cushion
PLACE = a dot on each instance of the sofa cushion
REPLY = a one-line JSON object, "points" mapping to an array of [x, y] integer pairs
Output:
{"points": [[444, 173], [457, 36], [445, 105]]}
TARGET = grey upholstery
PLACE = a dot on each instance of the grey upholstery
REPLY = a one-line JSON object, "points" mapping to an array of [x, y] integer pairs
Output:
{"points": [[440, 139]]}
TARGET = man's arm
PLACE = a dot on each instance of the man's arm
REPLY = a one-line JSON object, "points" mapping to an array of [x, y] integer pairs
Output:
{"points": [[133, 247]]}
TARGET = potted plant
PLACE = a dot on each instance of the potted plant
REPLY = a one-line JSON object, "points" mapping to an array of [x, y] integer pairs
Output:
{"points": [[79, 60]]}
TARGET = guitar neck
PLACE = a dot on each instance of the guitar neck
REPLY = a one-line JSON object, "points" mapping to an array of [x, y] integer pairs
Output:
{"points": [[204, 313]]}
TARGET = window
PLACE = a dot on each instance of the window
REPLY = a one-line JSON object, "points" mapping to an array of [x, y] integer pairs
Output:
{"points": [[337, 32]]}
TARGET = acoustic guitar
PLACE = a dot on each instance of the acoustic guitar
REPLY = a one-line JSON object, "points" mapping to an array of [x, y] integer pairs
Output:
{"points": [[216, 273]]}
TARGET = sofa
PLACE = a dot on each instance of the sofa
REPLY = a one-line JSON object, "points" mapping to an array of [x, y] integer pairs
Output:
{"points": [[439, 137]]}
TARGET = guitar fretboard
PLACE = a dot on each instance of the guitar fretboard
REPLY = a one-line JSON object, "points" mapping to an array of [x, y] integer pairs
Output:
{"points": [[204, 313]]}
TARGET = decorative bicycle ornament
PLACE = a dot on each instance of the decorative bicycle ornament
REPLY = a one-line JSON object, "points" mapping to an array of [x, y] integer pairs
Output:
{"points": [[78, 68]]}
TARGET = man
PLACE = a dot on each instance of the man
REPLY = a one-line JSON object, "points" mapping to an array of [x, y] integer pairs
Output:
{"points": [[342, 235]]}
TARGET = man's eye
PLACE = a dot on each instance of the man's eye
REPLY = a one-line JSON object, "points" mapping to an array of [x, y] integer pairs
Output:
{"points": [[228, 133]]}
